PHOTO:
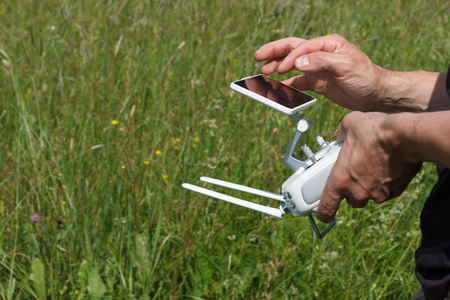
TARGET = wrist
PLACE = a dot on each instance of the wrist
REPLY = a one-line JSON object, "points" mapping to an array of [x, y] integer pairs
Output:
{"points": [[415, 91], [398, 92], [400, 136]]}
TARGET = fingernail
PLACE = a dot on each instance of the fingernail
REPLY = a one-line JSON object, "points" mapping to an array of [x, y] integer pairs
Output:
{"points": [[302, 62]]}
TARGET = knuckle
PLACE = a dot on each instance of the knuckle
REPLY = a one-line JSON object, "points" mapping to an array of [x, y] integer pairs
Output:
{"points": [[327, 212], [294, 41], [338, 37], [347, 64], [356, 203], [358, 197], [361, 196], [378, 198], [350, 118], [346, 120], [339, 181], [382, 194], [318, 57]]}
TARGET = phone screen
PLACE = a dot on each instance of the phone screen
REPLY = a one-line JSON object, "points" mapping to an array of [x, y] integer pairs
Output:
{"points": [[275, 91]]}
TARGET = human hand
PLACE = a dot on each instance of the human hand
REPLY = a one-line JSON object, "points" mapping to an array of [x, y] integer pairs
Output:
{"points": [[369, 165], [332, 66]]}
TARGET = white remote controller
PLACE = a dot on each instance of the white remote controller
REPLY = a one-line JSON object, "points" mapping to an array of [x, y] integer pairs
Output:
{"points": [[301, 192]]}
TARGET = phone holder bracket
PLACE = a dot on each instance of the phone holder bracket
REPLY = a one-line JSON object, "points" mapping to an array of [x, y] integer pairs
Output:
{"points": [[292, 161]]}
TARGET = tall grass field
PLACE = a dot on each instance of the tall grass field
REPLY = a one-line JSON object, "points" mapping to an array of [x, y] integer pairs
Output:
{"points": [[107, 107]]}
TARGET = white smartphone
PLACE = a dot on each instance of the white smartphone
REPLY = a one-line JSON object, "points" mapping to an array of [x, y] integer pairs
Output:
{"points": [[273, 93]]}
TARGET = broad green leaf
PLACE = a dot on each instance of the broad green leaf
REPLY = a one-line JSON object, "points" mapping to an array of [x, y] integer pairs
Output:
{"points": [[38, 278], [82, 279], [96, 287]]}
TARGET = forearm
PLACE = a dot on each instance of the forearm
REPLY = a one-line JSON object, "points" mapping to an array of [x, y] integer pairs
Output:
{"points": [[416, 91], [420, 137]]}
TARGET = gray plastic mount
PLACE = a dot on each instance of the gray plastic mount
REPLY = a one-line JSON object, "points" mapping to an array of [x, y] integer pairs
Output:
{"points": [[292, 161]]}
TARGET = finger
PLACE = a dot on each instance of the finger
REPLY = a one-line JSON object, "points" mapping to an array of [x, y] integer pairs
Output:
{"points": [[330, 43], [271, 66], [356, 203], [321, 61], [299, 82], [329, 203], [277, 49]]}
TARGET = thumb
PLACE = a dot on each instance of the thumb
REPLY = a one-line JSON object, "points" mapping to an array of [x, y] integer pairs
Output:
{"points": [[340, 134], [322, 61]]}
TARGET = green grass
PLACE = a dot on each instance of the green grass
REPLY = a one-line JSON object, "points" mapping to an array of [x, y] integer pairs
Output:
{"points": [[114, 227]]}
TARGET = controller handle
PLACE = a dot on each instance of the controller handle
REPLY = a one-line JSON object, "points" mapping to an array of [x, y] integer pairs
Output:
{"points": [[302, 191]]}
